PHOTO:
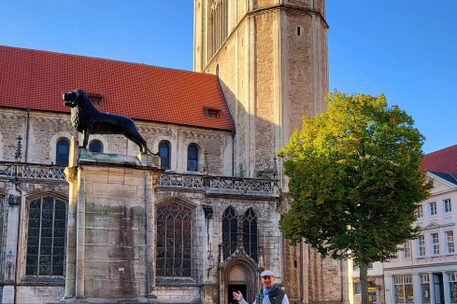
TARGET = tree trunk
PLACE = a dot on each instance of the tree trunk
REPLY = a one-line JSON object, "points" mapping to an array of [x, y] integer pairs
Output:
{"points": [[364, 281]]}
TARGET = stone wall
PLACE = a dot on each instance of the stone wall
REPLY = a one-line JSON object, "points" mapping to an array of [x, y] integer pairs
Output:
{"points": [[45, 129]]}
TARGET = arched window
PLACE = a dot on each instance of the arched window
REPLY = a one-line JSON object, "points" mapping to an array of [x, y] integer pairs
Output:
{"points": [[218, 28], [174, 234], [192, 158], [229, 231], [46, 237], [62, 150], [250, 233], [96, 146], [164, 153]]}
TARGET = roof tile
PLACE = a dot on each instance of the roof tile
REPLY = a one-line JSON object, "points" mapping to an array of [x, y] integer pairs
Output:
{"points": [[443, 161], [36, 79]]}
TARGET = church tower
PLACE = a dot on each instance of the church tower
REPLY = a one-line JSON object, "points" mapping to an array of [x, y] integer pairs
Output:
{"points": [[272, 62], [271, 58]]}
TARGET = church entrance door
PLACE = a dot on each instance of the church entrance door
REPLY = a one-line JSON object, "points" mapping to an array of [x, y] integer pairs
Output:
{"points": [[236, 287]]}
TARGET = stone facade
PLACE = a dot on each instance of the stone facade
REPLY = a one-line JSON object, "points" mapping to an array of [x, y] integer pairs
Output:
{"points": [[271, 59], [273, 68]]}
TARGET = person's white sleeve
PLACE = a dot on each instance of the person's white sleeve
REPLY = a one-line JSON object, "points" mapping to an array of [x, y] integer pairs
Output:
{"points": [[285, 300], [245, 302]]}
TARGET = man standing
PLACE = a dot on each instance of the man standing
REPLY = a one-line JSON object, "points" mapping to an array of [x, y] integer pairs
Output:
{"points": [[269, 294]]}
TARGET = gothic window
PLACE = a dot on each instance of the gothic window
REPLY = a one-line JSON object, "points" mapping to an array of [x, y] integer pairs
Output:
{"points": [[174, 234], [164, 153], [192, 158], [62, 149], [96, 146], [218, 24], [46, 237], [229, 231], [250, 233]]}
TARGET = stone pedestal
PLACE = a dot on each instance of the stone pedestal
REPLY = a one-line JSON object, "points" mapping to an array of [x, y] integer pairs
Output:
{"points": [[111, 227]]}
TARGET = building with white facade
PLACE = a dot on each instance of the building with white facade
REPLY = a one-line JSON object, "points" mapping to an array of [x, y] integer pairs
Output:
{"points": [[425, 269], [375, 283]]}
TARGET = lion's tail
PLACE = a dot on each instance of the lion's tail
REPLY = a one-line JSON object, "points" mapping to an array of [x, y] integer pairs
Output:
{"points": [[149, 151]]}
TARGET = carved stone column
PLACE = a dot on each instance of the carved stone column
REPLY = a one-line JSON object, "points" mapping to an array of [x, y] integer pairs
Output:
{"points": [[151, 181], [71, 173]]}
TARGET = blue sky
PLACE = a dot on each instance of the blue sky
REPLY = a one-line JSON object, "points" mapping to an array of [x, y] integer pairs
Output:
{"points": [[405, 49]]}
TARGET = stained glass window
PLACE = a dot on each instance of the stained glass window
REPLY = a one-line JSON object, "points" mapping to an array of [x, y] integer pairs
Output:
{"points": [[62, 150], [229, 231], [250, 233], [164, 153], [174, 235], [46, 237]]}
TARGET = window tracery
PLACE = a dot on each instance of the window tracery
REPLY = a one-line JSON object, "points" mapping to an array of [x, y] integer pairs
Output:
{"points": [[174, 235], [250, 233], [46, 237], [218, 24], [229, 231]]}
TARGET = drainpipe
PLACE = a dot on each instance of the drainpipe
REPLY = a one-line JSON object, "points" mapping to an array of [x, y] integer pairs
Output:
{"points": [[16, 273], [233, 153], [27, 122]]}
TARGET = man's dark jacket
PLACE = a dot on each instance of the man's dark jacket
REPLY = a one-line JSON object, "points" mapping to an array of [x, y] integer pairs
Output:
{"points": [[276, 296]]}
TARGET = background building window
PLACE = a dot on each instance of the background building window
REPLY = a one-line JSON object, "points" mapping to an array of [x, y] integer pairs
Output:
{"points": [[450, 241], [96, 146], [229, 231], [453, 286], [447, 205], [420, 212], [174, 235], [435, 243], [425, 286], [421, 245], [357, 288], [432, 208], [164, 153], [192, 158], [403, 289], [46, 237], [406, 251], [62, 150], [250, 233]]}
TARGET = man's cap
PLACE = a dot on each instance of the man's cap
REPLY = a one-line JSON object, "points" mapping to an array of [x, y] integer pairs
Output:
{"points": [[266, 273]]}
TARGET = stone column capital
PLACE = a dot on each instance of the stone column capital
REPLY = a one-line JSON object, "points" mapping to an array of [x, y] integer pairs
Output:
{"points": [[71, 174]]}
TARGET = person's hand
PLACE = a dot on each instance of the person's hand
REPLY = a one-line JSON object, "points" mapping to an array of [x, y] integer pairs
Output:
{"points": [[237, 296]]}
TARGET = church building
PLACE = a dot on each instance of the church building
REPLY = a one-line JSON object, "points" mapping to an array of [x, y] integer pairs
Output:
{"points": [[259, 66]]}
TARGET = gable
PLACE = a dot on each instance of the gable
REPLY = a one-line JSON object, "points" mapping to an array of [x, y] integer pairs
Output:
{"points": [[440, 185]]}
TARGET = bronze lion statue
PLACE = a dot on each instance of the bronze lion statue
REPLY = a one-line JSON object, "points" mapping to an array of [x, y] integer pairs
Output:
{"points": [[88, 120]]}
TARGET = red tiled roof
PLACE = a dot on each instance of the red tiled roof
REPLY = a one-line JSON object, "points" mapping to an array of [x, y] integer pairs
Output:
{"points": [[444, 161], [36, 79]]}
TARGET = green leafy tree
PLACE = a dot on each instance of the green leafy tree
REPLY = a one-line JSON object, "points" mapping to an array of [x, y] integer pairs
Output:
{"points": [[356, 180]]}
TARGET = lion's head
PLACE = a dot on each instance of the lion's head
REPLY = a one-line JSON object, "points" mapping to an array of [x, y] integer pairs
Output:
{"points": [[82, 109], [71, 98]]}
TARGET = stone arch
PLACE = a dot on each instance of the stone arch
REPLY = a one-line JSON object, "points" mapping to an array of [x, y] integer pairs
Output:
{"points": [[238, 271], [53, 144], [176, 215], [105, 144], [59, 212]]}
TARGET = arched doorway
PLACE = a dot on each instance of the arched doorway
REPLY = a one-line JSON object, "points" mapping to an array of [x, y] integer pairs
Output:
{"points": [[240, 274], [237, 281]]}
